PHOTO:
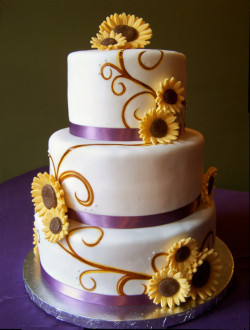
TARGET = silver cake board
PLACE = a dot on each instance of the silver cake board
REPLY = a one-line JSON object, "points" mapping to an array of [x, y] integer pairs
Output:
{"points": [[92, 316]]}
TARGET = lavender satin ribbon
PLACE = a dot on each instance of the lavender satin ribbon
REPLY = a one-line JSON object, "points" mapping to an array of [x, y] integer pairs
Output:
{"points": [[94, 298], [128, 222], [104, 133]]}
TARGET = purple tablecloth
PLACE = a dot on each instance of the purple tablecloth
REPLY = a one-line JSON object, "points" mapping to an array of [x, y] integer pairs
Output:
{"points": [[18, 311]]}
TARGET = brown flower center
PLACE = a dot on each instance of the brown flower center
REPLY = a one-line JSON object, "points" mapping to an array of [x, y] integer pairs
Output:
{"points": [[49, 196], [158, 128], [128, 32], [108, 41], [55, 225], [210, 185], [168, 287], [170, 96], [202, 275], [182, 254]]}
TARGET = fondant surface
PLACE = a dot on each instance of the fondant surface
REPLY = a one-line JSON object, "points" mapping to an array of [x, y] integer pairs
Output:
{"points": [[127, 179], [93, 257], [106, 88]]}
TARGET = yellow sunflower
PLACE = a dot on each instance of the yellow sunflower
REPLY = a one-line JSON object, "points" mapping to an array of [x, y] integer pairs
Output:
{"points": [[169, 96], [134, 29], [108, 41], [208, 180], [47, 194], [204, 273], [55, 225], [158, 126], [182, 254], [168, 288], [35, 241]]}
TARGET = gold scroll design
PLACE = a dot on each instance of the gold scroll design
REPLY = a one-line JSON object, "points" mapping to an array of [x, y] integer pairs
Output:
{"points": [[123, 73], [153, 262], [73, 174], [99, 268]]}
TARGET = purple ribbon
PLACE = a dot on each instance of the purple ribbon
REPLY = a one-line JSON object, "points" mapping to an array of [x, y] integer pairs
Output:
{"points": [[105, 133], [127, 222], [94, 298]]}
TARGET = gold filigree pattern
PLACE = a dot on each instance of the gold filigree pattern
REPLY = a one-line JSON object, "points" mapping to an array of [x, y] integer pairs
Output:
{"points": [[98, 240], [93, 280], [53, 164], [136, 111], [126, 278], [99, 268], [123, 74], [73, 174], [145, 67], [153, 262], [136, 115]]}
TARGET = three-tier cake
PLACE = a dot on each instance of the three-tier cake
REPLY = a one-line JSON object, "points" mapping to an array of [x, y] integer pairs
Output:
{"points": [[125, 215]]}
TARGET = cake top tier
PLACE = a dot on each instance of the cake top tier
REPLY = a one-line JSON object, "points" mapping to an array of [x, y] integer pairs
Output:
{"points": [[120, 87]]}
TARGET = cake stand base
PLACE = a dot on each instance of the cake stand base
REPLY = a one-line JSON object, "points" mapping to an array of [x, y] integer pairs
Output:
{"points": [[129, 317]]}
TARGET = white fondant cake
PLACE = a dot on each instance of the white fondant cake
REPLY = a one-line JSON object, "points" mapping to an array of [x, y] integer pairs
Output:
{"points": [[126, 210]]}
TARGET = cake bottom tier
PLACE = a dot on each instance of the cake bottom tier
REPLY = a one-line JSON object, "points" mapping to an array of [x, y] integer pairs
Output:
{"points": [[119, 261]]}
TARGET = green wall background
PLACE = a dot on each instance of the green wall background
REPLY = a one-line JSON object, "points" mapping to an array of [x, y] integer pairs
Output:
{"points": [[37, 35]]}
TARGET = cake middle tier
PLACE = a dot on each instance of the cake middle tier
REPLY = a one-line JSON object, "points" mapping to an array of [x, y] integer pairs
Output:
{"points": [[129, 178]]}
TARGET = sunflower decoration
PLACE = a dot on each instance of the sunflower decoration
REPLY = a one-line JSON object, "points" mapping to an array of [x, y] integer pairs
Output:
{"points": [[158, 126], [170, 97], [108, 41], [47, 194], [168, 287], [134, 29], [182, 255], [35, 241], [204, 273], [55, 225], [208, 181]]}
